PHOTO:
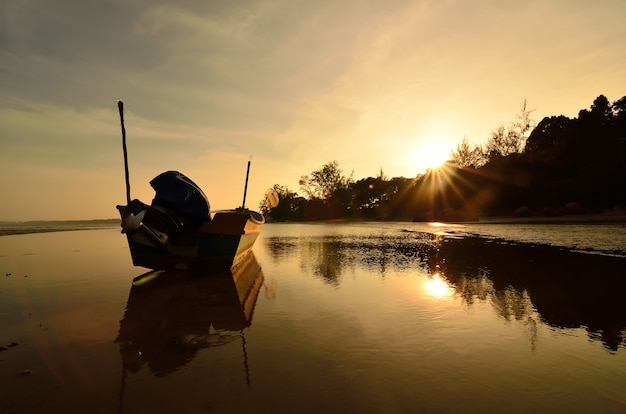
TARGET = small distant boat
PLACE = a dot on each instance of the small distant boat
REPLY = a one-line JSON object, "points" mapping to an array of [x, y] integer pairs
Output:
{"points": [[179, 231]]}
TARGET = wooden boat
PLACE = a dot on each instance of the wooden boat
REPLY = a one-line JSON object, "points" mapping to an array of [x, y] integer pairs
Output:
{"points": [[178, 230]]}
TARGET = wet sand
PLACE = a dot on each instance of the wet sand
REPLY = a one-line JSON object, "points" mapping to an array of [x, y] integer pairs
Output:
{"points": [[599, 218], [28, 227]]}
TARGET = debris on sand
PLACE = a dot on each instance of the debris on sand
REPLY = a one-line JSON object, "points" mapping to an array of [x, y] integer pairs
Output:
{"points": [[11, 345]]}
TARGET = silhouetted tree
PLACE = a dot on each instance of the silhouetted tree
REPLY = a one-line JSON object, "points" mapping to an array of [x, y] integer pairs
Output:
{"points": [[602, 107], [370, 195], [507, 140], [523, 126], [619, 108], [549, 137], [619, 113], [466, 155], [502, 142], [324, 182], [290, 208]]}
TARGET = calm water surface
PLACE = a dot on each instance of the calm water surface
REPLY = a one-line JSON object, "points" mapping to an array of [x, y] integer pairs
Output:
{"points": [[368, 318]]}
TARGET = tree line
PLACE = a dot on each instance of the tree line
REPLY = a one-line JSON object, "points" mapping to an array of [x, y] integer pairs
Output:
{"points": [[559, 166]]}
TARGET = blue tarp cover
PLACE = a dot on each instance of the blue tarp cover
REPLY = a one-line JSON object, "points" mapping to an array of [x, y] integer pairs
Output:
{"points": [[180, 193]]}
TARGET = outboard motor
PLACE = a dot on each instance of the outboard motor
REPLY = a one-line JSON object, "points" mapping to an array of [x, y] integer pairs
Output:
{"points": [[177, 192]]}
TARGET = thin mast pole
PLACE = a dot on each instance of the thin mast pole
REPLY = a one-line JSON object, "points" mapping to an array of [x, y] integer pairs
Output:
{"points": [[245, 188], [120, 106]]}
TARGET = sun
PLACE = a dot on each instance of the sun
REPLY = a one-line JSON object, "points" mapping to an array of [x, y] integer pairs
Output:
{"points": [[431, 155]]}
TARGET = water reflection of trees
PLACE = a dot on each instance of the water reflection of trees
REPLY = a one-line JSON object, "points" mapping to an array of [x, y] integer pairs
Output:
{"points": [[532, 284], [508, 303], [526, 283], [329, 257], [332, 260]]}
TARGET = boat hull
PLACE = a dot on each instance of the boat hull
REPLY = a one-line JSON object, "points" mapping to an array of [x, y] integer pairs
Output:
{"points": [[215, 244]]}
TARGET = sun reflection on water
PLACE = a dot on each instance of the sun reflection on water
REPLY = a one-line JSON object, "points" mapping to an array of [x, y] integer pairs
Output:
{"points": [[444, 229], [438, 287]]}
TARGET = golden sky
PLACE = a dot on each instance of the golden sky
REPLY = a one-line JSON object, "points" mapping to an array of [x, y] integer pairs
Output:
{"points": [[294, 84]]}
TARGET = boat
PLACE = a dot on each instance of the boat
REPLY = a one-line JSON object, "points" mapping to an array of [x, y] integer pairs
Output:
{"points": [[178, 230]]}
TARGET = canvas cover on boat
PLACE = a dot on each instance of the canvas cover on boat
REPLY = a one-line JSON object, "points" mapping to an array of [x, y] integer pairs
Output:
{"points": [[180, 193]]}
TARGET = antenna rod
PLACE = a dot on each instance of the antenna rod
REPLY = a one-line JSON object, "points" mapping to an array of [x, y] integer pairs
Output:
{"points": [[120, 106], [245, 188]]}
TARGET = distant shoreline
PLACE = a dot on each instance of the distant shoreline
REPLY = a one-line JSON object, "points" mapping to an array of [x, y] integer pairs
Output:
{"points": [[49, 226], [41, 226]]}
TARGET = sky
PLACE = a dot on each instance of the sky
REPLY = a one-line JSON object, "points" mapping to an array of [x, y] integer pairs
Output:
{"points": [[290, 85]]}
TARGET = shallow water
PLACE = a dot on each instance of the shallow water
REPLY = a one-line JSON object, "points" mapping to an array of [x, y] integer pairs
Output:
{"points": [[372, 318]]}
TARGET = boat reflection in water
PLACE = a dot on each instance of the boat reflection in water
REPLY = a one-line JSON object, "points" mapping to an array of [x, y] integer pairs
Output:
{"points": [[171, 315]]}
